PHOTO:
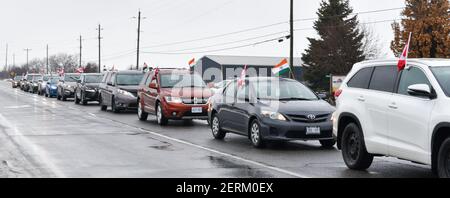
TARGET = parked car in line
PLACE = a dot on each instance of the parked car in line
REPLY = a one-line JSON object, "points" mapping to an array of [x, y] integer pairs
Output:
{"points": [[30, 84], [271, 109], [51, 87], [173, 94], [66, 86], [118, 90], [42, 84], [87, 88], [16, 82], [383, 112]]}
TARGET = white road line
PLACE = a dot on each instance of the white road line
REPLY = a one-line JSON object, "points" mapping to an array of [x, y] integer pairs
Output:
{"points": [[227, 155]]}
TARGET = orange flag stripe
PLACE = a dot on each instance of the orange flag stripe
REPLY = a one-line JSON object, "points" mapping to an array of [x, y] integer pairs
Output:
{"points": [[283, 62]]}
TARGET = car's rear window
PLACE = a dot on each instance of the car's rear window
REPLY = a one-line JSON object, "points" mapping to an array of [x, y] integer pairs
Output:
{"points": [[361, 79], [384, 78]]}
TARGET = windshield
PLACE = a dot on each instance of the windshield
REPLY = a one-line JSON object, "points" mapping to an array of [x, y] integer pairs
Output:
{"points": [[129, 79], [93, 79], [443, 76], [71, 78], [283, 90], [45, 78], [181, 80], [18, 78], [53, 80]]}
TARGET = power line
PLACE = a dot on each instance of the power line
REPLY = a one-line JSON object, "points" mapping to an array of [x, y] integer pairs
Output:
{"points": [[252, 44], [256, 28]]}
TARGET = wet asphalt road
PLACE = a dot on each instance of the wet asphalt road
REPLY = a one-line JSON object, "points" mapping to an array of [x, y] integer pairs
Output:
{"points": [[41, 137]]}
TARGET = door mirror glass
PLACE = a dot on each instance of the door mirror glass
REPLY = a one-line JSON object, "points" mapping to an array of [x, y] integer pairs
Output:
{"points": [[322, 96], [420, 90], [153, 86]]}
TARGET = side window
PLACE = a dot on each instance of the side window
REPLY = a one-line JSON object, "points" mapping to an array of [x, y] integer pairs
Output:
{"points": [[410, 77], [384, 78], [230, 90], [243, 93], [112, 79], [361, 79]]}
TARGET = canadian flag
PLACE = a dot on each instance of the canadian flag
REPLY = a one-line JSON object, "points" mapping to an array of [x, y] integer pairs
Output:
{"points": [[61, 72], [192, 62], [241, 81], [403, 61]]}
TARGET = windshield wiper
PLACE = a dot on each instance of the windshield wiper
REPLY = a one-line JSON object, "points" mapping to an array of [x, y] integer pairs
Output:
{"points": [[293, 98]]}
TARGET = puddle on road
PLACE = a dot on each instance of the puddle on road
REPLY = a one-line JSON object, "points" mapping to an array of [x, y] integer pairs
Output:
{"points": [[238, 170]]}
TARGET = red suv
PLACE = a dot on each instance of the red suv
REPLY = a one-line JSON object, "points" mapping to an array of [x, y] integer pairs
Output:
{"points": [[173, 94]]}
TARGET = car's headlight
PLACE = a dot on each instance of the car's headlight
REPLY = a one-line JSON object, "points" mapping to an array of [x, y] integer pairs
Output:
{"points": [[125, 93], [171, 99], [54, 87], [273, 115], [35, 84]]}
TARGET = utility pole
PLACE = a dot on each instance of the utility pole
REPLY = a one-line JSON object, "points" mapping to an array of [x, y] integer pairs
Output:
{"points": [[291, 56], [28, 51], [48, 71], [6, 64], [99, 48], [81, 48], [138, 39]]}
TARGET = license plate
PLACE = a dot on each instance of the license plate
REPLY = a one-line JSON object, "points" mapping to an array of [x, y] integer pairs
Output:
{"points": [[197, 110], [312, 130]]}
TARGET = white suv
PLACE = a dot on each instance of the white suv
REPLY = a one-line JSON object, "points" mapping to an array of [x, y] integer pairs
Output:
{"points": [[383, 112]]}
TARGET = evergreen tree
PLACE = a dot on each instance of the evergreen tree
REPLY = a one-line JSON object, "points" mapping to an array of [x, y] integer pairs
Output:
{"points": [[339, 46], [429, 22]]}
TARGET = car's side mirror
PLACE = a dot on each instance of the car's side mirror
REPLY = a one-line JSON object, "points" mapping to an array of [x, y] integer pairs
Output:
{"points": [[421, 90], [109, 84], [78, 81], [322, 96], [62, 81], [153, 86]]}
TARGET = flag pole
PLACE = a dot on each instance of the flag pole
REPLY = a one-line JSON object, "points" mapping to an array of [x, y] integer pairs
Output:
{"points": [[407, 50]]}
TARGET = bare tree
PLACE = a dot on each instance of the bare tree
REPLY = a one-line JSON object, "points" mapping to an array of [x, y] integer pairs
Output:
{"points": [[371, 43], [66, 61]]}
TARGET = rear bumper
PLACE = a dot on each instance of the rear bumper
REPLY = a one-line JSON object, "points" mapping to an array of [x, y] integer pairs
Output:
{"points": [[184, 112], [290, 130]]}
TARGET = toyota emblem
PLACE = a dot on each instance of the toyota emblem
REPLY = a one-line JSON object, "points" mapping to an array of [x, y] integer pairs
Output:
{"points": [[311, 117]]}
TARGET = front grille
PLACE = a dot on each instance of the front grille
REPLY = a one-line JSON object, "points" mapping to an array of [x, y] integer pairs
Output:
{"points": [[304, 118], [193, 101]]}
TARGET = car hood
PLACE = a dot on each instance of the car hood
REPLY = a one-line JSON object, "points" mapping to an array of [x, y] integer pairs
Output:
{"points": [[132, 88], [73, 84], [298, 107], [187, 92]]}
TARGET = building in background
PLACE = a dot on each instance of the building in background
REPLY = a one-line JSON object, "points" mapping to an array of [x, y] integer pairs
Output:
{"points": [[218, 68]]}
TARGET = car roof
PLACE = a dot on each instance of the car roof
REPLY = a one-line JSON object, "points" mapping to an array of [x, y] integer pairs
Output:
{"points": [[431, 62]]}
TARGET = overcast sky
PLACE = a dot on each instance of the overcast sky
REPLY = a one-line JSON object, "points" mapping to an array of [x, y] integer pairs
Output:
{"points": [[33, 24]]}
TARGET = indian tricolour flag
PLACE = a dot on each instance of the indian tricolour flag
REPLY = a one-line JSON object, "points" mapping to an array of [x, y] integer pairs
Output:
{"points": [[281, 68]]}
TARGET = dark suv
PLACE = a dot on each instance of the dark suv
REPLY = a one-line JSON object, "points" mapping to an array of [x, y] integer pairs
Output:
{"points": [[30, 83], [66, 86], [87, 87], [118, 90], [173, 94], [271, 109]]}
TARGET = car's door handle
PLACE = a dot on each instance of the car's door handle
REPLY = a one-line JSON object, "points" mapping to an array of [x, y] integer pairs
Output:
{"points": [[393, 106], [361, 99]]}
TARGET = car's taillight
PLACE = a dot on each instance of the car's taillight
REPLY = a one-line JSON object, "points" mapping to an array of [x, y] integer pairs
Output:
{"points": [[338, 93]]}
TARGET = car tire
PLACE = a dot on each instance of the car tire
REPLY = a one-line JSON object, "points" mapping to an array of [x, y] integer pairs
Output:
{"points": [[83, 99], [142, 115], [443, 165], [77, 100], [103, 107], [161, 119], [113, 106], [354, 149], [216, 129], [255, 134], [328, 144]]}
